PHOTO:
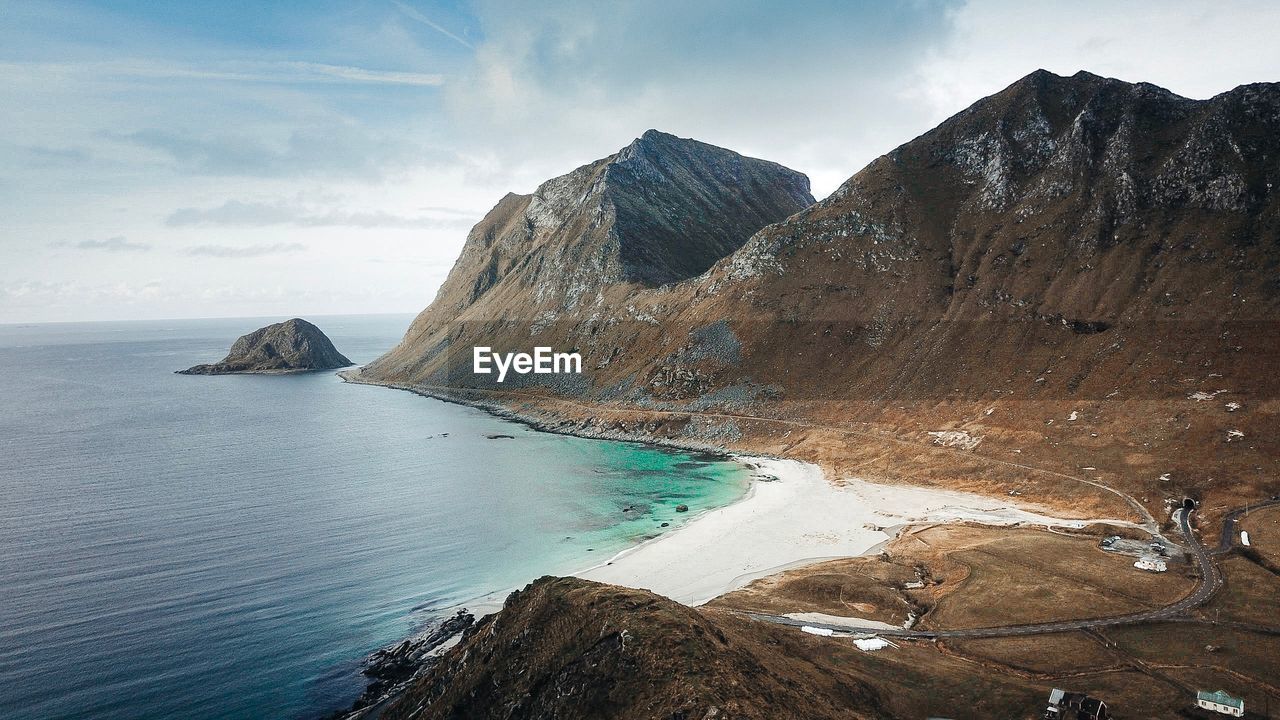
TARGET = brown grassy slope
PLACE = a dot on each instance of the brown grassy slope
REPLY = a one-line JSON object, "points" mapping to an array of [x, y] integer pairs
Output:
{"points": [[972, 576], [984, 576], [558, 650], [1263, 527]]}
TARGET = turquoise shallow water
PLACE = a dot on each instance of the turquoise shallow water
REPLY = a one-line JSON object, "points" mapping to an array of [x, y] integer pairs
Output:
{"points": [[232, 547]]}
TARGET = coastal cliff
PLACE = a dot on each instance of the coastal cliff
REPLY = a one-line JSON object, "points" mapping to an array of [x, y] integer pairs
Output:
{"points": [[290, 346]]}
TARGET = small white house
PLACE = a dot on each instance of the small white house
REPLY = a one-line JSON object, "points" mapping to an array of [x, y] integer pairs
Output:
{"points": [[1244, 538], [1220, 702], [824, 632], [1151, 564]]}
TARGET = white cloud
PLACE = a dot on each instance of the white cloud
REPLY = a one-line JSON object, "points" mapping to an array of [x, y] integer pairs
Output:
{"points": [[250, 213], [279, 72], [246, 251], [112, 244], [339, 150], [815, 87], [1194, 48]]}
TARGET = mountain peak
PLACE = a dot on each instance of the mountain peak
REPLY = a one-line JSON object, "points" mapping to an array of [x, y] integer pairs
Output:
{"points": [[652, 135], [660, 211], [659, 187], [655, 143]]}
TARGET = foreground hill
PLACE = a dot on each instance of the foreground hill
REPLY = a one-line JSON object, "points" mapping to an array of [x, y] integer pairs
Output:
{"points": [[1075, 278], [567, 648]]}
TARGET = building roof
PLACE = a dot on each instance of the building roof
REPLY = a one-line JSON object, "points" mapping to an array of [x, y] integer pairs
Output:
{"points": [[1220, 697]]}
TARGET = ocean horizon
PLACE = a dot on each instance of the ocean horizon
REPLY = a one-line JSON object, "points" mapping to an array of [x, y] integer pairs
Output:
{"points": [[236, 546]]}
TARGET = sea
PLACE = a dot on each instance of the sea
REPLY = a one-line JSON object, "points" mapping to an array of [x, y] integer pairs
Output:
{"points": [[236, 546]]}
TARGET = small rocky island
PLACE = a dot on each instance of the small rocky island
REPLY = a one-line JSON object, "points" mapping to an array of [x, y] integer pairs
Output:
{"points": [[287, 347]]}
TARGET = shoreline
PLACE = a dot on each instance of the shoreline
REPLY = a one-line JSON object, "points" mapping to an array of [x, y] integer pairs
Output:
{"points": [[492, 602], [716, 562], [797, 518], [499, 410]]}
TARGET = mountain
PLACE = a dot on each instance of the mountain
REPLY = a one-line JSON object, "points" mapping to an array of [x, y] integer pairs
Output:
{"points": [[291, 346], [660, 211], [1076, 271], [1119, 225]]}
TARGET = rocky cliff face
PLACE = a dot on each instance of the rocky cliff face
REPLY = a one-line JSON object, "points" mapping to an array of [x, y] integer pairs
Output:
{"points": [[291, 346], [660, 211]]}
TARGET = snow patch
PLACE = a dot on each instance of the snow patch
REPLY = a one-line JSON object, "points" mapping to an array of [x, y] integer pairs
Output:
{"points": [[871, 644], [955, 438]]}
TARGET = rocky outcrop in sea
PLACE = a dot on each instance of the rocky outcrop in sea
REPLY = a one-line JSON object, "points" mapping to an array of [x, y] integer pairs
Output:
{"points": [[291, 346]]}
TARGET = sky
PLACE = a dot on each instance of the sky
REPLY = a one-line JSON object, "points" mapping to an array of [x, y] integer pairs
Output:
{"points": [[245, 158]]}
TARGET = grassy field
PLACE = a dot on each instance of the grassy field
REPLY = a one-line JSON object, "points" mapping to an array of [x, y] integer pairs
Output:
{"points": [[979, 576], [1263, 527], [1251, 594], [1039, 655], [1034, 576], [1233, 653], [868, 588], [914, 680], [973, 576]]}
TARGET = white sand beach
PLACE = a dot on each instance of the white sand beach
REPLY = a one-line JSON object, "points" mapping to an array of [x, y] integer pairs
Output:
{"points": [[797, 519]]}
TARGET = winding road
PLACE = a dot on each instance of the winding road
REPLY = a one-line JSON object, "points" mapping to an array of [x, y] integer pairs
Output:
{"points": [[1210, 583]]}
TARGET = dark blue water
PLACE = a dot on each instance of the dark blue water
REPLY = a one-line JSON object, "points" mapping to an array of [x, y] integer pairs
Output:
{"points": [[233, 547]]}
